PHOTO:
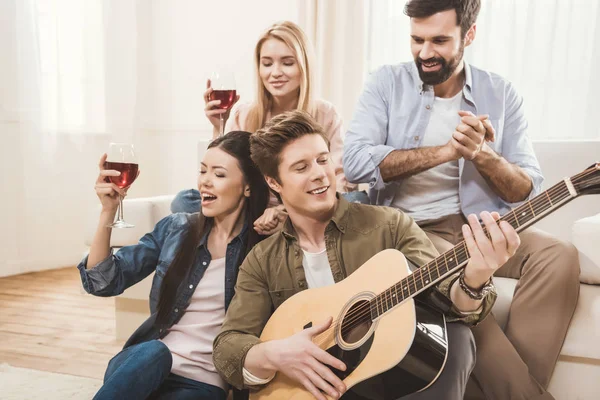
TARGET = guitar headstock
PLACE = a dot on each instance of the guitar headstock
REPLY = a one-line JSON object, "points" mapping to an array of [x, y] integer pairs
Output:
{"points": [[588, 181]]}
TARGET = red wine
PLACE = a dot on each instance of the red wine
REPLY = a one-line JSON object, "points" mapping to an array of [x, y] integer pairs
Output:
{"points": [[128, 173], [227, 98]]}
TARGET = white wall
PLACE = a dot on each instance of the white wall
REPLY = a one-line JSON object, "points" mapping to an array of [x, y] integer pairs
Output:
{"points": [[189, 39], [160, 55]]}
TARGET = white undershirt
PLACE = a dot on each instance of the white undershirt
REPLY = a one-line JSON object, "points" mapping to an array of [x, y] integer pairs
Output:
{"points": [[316, 269], [434, 193]]}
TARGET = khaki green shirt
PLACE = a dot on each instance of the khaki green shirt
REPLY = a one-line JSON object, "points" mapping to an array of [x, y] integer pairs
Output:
{"points": [[273, 271]]}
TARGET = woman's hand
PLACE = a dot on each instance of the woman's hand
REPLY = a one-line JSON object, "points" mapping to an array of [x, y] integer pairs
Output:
{"points": [[271, 221], [211, 109], [108, 192]]}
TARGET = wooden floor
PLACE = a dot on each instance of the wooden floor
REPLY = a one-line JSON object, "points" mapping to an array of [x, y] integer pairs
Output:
{"points": [[47, 323]]}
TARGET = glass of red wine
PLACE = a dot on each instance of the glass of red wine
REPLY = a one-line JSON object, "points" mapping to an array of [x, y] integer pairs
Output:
{"points": [[223, 85], [121, 157]]}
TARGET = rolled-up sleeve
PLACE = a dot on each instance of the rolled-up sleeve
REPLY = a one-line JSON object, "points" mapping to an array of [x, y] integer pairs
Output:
{"points": [[246, 317], [364, 146], [128, 266], [516, 144]]}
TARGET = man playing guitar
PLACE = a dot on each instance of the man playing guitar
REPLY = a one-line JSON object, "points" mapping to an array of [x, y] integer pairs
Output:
{"points": [[324, 240]]}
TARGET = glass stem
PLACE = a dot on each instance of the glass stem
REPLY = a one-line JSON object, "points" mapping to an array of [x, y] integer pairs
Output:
{"points": [[120, 219], [221, 125]]}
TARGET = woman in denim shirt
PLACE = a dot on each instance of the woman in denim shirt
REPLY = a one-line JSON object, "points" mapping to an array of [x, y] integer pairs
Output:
{"points": [[195, 258]]}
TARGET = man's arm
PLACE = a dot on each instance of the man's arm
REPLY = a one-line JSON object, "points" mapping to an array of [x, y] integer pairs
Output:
{"points": [[509, 181], [400, 164]]}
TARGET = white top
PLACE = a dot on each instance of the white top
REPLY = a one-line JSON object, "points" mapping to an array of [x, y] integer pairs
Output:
{"points": [[317, 270], [191, 339], [434, 193]]}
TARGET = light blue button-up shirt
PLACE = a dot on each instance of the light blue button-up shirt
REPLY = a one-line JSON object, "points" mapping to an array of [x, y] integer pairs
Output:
{"points": [[393, 112]]}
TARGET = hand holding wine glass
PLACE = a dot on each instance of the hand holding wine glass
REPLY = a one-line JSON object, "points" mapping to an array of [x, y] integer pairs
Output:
{"points": [[219, 98], [107, 191], [118, 170]]}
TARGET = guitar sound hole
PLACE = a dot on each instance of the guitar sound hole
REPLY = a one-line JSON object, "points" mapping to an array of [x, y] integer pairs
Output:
{"points": [[356, 322]]}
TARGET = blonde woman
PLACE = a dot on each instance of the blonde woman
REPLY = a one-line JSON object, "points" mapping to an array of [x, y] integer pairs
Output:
{"points": [[284, 64]]}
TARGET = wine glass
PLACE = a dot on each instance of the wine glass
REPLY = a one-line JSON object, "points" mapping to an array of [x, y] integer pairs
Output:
{"points": [[223, 85], [121, 157]]}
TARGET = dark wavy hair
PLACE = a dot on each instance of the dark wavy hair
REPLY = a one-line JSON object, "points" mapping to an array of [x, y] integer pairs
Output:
{"points": [[466, 10], [236, 144]]}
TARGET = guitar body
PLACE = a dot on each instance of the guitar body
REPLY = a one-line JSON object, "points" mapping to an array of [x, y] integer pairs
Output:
{"points": [[406, 347]]}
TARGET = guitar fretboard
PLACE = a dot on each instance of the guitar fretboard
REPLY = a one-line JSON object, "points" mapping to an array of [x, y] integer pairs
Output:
{"points": [[455, 258]]}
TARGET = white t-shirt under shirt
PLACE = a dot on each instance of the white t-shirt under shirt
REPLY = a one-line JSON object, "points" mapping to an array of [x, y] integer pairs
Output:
{"points": [[433, 193], [316, 269], [191, 339]]}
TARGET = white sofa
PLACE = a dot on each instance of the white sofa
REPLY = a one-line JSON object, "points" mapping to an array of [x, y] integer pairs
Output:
{"points": [[577, 374]]}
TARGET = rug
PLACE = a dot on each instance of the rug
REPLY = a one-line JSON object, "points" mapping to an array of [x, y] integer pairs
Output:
{"points": [[22, 383]]}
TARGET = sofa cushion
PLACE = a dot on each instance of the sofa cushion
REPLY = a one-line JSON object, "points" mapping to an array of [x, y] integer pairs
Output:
{"points": [[586, 237], [584, 331], [582, 338]]}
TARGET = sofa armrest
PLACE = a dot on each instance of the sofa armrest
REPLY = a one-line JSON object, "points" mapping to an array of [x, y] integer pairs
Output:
{"points": [[586, 237]]}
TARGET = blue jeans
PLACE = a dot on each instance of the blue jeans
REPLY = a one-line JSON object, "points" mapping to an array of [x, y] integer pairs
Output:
{"points": [[143, 371], [188, 201]]}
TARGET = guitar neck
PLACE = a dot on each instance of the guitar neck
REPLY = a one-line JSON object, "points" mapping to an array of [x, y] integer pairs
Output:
{"points": [[456, 258]]}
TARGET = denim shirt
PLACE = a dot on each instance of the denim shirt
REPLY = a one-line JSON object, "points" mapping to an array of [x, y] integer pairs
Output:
{"points": [[154, 253], [393, 112]]}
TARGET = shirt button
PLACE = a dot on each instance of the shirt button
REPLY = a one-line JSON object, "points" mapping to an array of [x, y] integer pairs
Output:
{"points": [[428, 107], [301, 284], [416, 138], [160, 331], [278, 294], [191, 286], [177, 310], [204, 263]]}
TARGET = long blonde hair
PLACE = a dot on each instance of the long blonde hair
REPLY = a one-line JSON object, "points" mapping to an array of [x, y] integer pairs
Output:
{"points": [[290, 34]]}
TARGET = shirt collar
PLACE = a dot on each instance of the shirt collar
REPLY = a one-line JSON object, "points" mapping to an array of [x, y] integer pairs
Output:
{"points": [[339, 220]]}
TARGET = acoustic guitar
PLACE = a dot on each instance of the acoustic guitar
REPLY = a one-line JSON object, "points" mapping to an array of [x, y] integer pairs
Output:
{"points": [[377, 331]]}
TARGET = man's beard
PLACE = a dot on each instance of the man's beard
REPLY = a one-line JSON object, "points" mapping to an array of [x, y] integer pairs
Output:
{"points": [[446, 70]]}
